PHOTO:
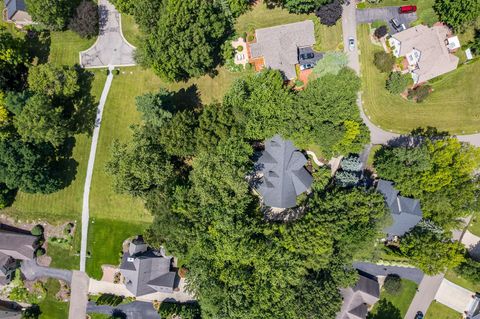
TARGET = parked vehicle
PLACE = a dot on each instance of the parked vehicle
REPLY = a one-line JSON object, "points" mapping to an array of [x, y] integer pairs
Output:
{"points": [[351, 44], [407, 9], [306, 66], [397, 26], [419, 315], [306, 56]]}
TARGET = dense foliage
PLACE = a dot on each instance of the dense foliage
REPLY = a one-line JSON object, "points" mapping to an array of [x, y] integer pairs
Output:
{"points": [[381, 31], [438, 170], [469, 269], [183, 38], [298, 6], [457, 13], [397, 82], [329, 13], [393, 284], [172, 310], [383, 61], [85, 21], [54, 15], [13, 65], [124, 6], [239, 264], [420, 93]]}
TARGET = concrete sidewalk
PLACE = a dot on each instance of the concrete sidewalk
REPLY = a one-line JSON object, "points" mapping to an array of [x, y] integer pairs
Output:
{"points": [[78, 295]]}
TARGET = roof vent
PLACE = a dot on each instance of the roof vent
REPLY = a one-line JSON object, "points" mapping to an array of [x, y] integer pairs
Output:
{"points": [[130, 259]]}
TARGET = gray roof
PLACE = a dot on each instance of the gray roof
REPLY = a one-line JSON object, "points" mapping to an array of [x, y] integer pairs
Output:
{"points": [[279, 45], [17, 245], [13, 6], [284, 175], [406, 212], [356, 300], [147, 272]]}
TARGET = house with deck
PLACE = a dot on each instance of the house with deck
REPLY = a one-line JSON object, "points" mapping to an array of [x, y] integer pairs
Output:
{"points": [[428, 51]]}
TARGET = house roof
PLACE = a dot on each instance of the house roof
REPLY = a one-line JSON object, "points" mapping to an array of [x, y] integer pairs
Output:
{"points": [[147, 272], [13, 6], [17, 245], [356, 299], [406, 212], [279, 45], [435, 58], [284, 175]]}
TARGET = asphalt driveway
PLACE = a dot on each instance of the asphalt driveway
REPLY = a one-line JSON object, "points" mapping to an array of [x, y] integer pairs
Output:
{"points": [[133, 310], [385, 14]]}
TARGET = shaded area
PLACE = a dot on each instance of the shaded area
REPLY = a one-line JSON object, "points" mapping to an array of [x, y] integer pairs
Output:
{"points": [[385, 310], [413, 274]]}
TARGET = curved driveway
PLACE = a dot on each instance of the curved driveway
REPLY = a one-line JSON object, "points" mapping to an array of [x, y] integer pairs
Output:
{"points": [[111, 48]]}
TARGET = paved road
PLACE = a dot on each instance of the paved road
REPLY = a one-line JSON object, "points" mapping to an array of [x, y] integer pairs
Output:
{"points": [[133, 310], [410, 273], [385, 14], [425, 294], [111, 48], [91, 162], [78, 295], [31, 270]]}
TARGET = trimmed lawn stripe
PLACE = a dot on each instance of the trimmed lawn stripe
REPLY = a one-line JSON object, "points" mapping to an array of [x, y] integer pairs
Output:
{"points": [[65, 47], [439, 311], [452, 276], [394, 306], [453, 106]]}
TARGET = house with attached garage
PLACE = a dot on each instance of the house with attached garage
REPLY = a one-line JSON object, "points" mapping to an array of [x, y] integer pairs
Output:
{"points": [[359, 299], [16, 11], [427, 51], [146, 271], [284, 47], [405, 212]]}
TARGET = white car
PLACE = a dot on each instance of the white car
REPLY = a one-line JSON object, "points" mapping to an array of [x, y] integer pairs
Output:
{"points": [[351, 44]]}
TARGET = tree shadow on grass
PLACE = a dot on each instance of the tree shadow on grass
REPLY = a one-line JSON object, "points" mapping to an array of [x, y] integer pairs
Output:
{"points": [[38, 45], [385, 310], [66, 168], [186, 99]]}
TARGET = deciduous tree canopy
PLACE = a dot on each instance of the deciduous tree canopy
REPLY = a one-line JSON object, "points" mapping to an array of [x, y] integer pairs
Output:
{"points": [[53, 14], [457, 13]]}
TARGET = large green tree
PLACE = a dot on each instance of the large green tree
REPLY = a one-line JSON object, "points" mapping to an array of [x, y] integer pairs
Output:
{"points": [[13, 62], [54, 14], [185, 38], [457, 13]]}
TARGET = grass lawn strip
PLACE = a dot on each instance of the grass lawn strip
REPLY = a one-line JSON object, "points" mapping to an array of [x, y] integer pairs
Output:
{"points": [[452, 276], [439, 311], [474, 226], [453, 106], [401, 302], [50, 307], [105, 238]]}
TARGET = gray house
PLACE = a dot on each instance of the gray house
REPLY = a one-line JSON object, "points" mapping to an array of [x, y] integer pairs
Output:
{"points": [[17, 245], [358, 300], [283, 173], [16, 11], [406, 212], [146, 270], [279, 46], [8, 265]]}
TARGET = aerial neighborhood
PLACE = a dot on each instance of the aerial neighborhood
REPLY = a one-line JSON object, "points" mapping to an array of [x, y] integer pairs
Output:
{"points": [[243, 159]]}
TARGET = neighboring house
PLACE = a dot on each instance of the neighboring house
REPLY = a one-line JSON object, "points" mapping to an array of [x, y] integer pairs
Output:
{"points": [[17, 245], [473, 311], [406, 212], [279, 47], [16, 11], [282, 173], [8, 265], [358, 300], [146, 270], [427, 51]]}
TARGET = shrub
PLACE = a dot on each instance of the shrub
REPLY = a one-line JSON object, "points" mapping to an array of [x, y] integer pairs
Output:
{"points": [[109, 300], [330, 13], [380, 32], [240, 48], [37, 230], [250, 38], [383, 61], [393, 284], [470, 270], [107, 72], [347, 178], [85, 21], [397, 82], [420, 93], [361, 5], [39, 252], [116, 72], [170, 310], [299, 83], [7, 196], [351, 163]]}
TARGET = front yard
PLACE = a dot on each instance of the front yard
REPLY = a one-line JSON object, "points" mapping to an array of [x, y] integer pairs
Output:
{"points": [[394, 306], [453, 106], [439, 311]]}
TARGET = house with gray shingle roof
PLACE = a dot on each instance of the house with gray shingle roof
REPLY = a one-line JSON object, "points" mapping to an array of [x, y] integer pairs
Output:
{"points": [[279, 46], [406, 212], [17, 245], [16, 11], [282, 173], [359, 299], [146, 270]]}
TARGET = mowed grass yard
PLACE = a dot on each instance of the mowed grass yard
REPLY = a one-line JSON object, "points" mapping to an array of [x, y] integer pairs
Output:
{"points": [[439, 311], [453, 106], [394, 306]]}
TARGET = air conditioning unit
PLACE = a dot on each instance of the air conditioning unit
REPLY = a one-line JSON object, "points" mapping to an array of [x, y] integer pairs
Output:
{"points": [[130, 259]]}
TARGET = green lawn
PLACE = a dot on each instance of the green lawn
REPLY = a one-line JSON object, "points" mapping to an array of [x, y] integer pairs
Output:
{"points": [[50, 307], [474, 226], [105, 238], [439, 311], [371, 155], [394, 306], [130, 30], [65, 47], [65, 257], [456, 279], [453, 106]]}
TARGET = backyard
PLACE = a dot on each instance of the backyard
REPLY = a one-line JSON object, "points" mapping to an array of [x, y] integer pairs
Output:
{"points": [[394, 306], [453, 106]]}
